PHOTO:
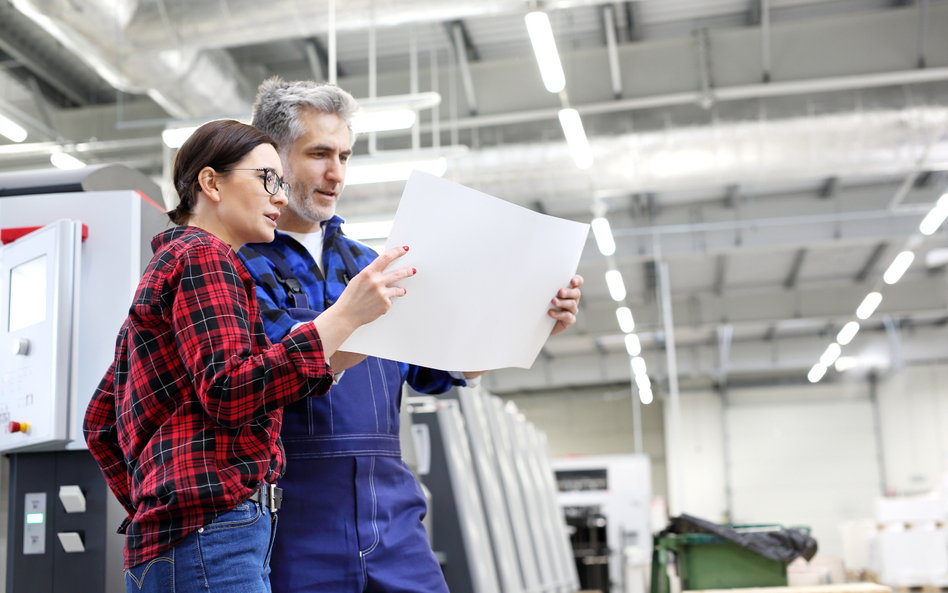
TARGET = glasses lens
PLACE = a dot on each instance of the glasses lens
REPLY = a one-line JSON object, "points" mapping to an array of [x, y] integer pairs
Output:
{"points": [[269, 181]]}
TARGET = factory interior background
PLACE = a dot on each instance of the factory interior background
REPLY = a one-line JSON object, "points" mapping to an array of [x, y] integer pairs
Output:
{"points": [[766, 176]]}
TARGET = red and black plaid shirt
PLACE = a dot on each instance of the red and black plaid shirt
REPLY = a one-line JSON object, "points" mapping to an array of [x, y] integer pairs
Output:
{"points": [[186, 422]]}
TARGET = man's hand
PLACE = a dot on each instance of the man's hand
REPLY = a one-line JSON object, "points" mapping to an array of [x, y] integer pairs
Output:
{"points": [[567, 303]]}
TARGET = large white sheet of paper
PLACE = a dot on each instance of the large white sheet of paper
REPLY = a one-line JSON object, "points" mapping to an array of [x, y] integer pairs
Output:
{"points": [[487, 272]]}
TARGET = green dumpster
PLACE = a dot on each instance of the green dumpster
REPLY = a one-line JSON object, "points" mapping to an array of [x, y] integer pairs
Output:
{"points": [[706, 561]]}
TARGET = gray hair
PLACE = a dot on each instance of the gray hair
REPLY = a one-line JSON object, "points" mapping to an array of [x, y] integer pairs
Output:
{"points": [[277, 110]]}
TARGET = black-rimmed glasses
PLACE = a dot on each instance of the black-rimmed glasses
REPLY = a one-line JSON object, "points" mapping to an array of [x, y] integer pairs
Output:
{"points": [[272, 182]]}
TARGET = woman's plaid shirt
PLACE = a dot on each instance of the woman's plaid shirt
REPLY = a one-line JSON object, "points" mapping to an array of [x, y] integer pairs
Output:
{"points": [[186, 422]]}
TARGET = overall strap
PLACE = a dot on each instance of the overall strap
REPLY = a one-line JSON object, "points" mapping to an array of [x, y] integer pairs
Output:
{"points": [[295, 296], [352, 269]]}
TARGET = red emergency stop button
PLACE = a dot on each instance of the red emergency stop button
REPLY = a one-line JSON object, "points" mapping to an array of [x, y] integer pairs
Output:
{"points": [[18, 427]]}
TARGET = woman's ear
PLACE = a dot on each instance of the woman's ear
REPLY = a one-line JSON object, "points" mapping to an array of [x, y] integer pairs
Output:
{"points": [[208, 180]]}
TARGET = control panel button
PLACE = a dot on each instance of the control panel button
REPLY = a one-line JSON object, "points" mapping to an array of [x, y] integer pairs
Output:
{"points": [[18, 427], [71, 541], [21, 347], [74, 501]]}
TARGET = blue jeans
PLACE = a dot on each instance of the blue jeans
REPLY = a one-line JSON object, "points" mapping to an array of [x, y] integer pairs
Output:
{"points": [[230, 555]]}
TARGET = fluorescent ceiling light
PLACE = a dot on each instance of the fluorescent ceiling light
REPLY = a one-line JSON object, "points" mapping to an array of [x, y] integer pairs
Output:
{"points": [[360, 231], [868, 305], [936, 257], [817, 372], [643, 382], [616, 287], [603, 234], [12, 130], [65, 161], [541, 36], [933, 220], [844, 363], [898, 266], [413, 102], [626, 323], [632, 345], [638, 365], [848, 332], [175, 137], [831, 354], [576, 137], [379, 173], [381, 121], [646, 396]]}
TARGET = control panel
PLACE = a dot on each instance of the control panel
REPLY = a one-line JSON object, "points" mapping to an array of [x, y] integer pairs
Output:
{"points": [[38, 338], [34, 523]]}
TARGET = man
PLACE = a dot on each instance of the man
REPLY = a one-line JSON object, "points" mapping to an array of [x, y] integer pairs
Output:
{"points": [[352, 510]]}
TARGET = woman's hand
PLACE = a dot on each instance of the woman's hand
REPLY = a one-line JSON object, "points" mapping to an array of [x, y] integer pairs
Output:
{"points": [[367, 297]]}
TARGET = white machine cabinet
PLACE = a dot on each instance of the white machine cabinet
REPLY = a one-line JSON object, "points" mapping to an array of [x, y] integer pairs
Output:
{"points": [[38, 350]]}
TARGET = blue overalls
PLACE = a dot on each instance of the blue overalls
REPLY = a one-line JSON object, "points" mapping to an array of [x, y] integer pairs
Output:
{"points": [[352, 510]]}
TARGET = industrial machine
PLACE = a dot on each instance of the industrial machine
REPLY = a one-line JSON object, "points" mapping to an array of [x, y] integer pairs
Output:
{"points": [[74, 247], [496, 520], [607, 500]]}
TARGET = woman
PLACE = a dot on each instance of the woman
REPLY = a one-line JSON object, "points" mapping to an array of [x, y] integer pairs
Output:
{"points": [[185, 424]]}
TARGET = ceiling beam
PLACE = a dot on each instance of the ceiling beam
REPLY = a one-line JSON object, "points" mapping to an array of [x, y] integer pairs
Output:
{"points": [[787, 356], [462, 51], [791, 280], [720, 273], [870, 265], [765, 39], [828, 189], [609, 25], [314, 58], [753, 13], [788, 232]]}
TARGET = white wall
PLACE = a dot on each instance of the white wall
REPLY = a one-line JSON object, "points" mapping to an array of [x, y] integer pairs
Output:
{"points": [[796, 459], [913, 405], [702, 452]]}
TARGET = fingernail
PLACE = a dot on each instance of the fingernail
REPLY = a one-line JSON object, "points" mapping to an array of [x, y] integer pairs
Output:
{"points": [[405, 248], [406, 290], [414, 271]]}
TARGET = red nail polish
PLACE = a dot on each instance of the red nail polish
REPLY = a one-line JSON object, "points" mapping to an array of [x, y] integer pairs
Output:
{"points": [[406, 248], [414, 271]]}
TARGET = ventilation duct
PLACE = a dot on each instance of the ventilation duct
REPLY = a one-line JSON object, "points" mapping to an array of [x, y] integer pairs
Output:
{"points": [[852, 145], [187, 81], [869, 144]]}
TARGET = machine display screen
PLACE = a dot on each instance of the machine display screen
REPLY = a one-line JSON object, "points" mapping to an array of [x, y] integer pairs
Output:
{"points": [[28, 293]]}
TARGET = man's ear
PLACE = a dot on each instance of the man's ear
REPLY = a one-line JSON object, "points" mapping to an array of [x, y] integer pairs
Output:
{"points": [[208, 180]]}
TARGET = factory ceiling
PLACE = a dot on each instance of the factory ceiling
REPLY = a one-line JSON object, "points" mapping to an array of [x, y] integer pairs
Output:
{"points": [[766, 160]]}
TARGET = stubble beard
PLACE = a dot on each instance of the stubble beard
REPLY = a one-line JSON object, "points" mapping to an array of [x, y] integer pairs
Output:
{"points": [[308, 209]]}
